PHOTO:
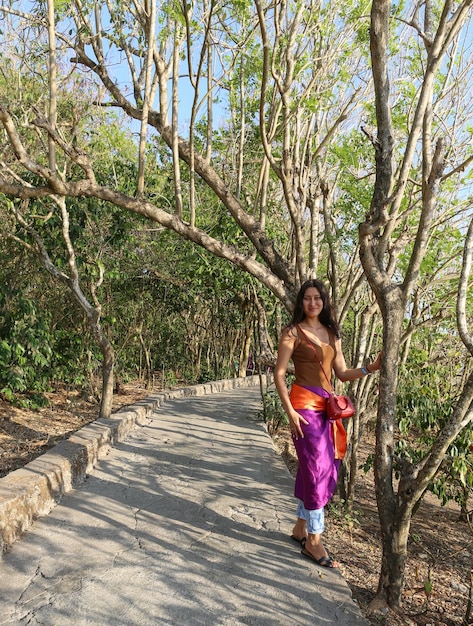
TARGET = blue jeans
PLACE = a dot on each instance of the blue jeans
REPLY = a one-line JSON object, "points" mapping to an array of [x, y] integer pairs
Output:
{"points": [[314, 518]]}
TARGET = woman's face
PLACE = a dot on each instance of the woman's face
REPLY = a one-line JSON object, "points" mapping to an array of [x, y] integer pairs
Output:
{"points": [[312, 303]]}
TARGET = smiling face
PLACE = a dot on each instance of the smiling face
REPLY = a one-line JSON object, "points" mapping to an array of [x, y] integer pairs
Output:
{"points": [[312, 303]]}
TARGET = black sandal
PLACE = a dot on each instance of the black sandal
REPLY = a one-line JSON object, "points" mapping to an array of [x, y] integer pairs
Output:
{"points": [[301, 542], [324, 561]]}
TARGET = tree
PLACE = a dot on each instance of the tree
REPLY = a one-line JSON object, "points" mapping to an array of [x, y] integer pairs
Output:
{"points": [[380, 235], [295, 98], [35, 243]]}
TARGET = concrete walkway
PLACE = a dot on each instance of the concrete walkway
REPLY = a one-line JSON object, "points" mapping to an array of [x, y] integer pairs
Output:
{"points": [[184, 523]]}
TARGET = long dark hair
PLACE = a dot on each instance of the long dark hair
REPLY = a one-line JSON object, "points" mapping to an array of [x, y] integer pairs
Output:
{"points": [[327, 315]]}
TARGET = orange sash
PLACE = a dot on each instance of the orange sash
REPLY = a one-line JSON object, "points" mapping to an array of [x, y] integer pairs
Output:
{"points": [[302, 398], [339, 439]]}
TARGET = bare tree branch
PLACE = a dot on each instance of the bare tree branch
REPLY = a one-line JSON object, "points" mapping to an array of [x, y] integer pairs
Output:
{"points": [[462, 322]]}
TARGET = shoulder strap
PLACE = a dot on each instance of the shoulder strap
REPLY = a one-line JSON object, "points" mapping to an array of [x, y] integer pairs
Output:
{"points": [[311, 344]]}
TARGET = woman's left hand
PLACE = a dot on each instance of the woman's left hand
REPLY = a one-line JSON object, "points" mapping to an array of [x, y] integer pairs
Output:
{"points": [[374, 367]]}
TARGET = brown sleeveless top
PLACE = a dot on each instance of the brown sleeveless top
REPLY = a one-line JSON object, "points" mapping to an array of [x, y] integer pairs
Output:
{"points": [[306, 365]]}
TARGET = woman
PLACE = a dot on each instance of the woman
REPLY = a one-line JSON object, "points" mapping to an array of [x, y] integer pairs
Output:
{"points": [[313, 328]]}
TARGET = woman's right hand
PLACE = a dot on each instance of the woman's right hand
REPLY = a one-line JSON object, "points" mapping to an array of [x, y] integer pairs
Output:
{"points": [[295, 423]]}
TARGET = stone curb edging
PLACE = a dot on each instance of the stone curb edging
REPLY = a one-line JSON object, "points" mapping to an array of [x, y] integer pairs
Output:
{"points": [[35, 489]]}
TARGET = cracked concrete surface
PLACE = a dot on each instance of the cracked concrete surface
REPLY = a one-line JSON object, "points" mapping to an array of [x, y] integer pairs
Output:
{"points": [[185, 522]]}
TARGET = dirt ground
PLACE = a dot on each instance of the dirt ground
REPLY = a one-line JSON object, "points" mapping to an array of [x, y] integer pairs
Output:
{"points": [[438, 575]]}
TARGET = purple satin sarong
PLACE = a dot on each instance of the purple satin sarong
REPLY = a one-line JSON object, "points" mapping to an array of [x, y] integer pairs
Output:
{"points": [[317, 474]]}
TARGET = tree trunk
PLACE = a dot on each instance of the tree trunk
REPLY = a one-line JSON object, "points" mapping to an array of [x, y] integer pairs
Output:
{"points": [[245, 351], [149, 369], [394, 530], [394, 540], [107, 379]]}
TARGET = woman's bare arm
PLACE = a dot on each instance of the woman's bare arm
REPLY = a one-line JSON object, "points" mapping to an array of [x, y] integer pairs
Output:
{"points": [[344, 373], [285, 350]]}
